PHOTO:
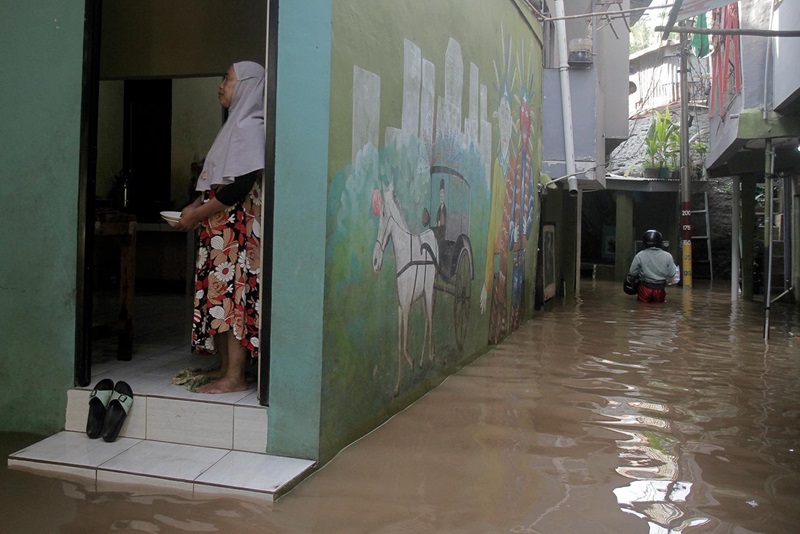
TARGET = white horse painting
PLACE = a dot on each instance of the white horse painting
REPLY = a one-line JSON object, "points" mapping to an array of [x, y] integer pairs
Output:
{"points": [[415, 256]]}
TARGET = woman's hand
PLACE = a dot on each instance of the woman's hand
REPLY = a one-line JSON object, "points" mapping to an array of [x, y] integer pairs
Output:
{"points": [[189, 219], [193, 214]]}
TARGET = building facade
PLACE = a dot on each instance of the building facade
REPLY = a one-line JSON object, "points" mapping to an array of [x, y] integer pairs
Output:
{"points": [[404, 189]]}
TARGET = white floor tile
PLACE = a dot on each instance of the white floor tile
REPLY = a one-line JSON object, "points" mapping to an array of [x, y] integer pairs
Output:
{"points": [[75, 449], [196, 423], [254, 472], [77, 410], [250, 400], [250, 428], [164, 460]]}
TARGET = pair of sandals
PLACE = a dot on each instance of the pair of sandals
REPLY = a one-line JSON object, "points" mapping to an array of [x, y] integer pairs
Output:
{"points": [[109, 405]]}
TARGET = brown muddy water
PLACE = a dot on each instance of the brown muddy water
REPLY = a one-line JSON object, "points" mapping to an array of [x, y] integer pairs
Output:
{"points": [[600, 415]]}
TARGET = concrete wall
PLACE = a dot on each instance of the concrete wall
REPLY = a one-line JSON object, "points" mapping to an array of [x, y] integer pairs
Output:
{"points": [[612, 44], [416, 85], [170, 38], [196, 119], [42, 45], [786, 50], [754, 14], [583, 90]]}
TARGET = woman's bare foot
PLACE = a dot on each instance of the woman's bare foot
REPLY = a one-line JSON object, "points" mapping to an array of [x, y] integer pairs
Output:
{"points": [[215, 373], [224, 385], [233, 357]]}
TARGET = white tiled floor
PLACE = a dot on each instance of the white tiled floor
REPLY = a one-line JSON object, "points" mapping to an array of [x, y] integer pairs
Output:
{"points": [[184, 469], [177, 440], [161, 348]]}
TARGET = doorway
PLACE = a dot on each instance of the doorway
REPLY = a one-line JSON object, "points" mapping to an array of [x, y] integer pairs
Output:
{"points": [[149, 115]]}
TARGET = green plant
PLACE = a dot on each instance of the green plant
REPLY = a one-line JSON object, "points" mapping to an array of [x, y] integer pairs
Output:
{"points": [[663, 141]]}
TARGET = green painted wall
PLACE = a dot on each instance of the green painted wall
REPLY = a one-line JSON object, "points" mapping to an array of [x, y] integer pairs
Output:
{"points": [[418, 93], [301, 161], [42, 44]]}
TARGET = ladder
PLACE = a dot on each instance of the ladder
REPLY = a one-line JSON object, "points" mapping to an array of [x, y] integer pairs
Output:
{"points": [[706, 236]]}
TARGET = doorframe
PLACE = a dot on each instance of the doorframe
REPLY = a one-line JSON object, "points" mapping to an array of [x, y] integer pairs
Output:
{"points": [[87, 171], [268, 202], [86, 188]]}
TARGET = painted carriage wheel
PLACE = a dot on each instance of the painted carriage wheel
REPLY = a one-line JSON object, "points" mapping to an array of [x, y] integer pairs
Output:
{"points": [[461, 294]]}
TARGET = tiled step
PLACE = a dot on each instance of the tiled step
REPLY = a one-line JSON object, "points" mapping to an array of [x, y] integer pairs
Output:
{"points": [[188, 470], [181, 442], [235, 424]]}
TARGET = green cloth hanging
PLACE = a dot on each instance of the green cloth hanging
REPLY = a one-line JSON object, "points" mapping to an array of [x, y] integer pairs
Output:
{"points": [[700, 42]]}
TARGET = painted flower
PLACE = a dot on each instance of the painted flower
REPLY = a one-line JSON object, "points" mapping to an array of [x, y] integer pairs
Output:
{"points": [[242, 260], [216, 290], [224, 271], [239, 291], [253, 260], [202, 257], [217, 243], [221, 315], [222, 246]]}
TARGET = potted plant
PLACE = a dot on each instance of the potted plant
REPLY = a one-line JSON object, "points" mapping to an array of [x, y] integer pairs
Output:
{"points": [[651, 149], [661, 144]]}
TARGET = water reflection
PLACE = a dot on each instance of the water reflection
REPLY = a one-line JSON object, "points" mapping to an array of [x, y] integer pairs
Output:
{"points": [[701, 386], [603, 415]]}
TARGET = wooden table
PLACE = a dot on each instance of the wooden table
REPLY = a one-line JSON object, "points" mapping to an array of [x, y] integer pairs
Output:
{"points": [[121, 226]]}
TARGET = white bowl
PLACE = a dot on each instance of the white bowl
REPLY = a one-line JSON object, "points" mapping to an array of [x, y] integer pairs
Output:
{"points": [[172, 217]]}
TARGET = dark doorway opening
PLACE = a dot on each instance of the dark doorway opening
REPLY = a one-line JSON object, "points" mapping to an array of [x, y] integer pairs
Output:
{"points": [[147, 146]]}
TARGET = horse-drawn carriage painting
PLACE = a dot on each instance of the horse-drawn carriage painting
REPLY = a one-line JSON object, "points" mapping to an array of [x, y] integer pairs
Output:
{"points": [[412, 208], [450, 195], [437, 260]]}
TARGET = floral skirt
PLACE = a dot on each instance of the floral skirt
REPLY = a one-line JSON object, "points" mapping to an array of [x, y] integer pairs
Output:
{"points": [[227, 275]]}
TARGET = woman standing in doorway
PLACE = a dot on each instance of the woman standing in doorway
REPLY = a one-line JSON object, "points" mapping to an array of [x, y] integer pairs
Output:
{"points": [[228, 212]]}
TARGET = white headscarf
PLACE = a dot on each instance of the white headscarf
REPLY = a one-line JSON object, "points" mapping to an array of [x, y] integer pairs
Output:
{"points": [[239, 146]]}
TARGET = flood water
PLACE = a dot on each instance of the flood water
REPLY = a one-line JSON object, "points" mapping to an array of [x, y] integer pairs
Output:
{"points": [[601, 415]]}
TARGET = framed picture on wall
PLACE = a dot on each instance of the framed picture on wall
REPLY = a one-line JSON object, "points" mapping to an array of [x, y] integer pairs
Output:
{"points": [[548, 261]]}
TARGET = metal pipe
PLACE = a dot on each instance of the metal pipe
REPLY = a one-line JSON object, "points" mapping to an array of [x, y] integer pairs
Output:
{"points": [[719, 31], [787, 232], [735, 229], [612, 14], [769, 167], [569, 143], [566, 98], [779, 297]]}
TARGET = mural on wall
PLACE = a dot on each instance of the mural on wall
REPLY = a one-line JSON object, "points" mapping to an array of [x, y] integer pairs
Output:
{"points": [[414, 209], [416, 266], [513, 194]]}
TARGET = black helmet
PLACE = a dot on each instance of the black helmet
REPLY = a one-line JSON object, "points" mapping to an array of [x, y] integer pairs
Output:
{"points": [[652, 238]]}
